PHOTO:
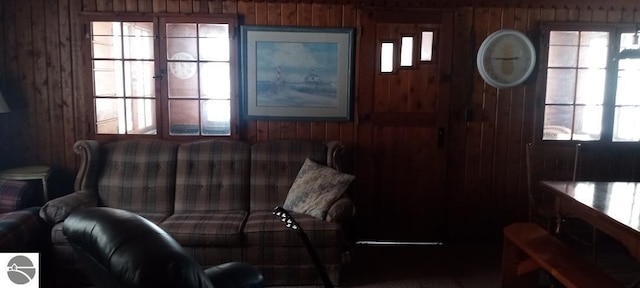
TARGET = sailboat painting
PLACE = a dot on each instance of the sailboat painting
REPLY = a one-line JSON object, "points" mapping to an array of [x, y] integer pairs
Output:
{"points": [[296, 74]]}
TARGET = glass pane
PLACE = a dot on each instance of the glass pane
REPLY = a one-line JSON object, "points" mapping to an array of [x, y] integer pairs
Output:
{"points": [[588, 123], [183, 117], [216, 117], [626, 123], [593, 57], [182, 49], [106, 47], [134, 28], [214, 49], [105, 28], [140, 47], [386, 57], [181, 30], [626, 41], [182, 82], [594, 38], [628, 91], [107, 78], [563, 38], [109, 116], [426, 49], [563, 56], [139, 78], [590, 86], [557, 122], [140, 116], [594, 49], [214, 42], [559, 86], [406, 53], [215, 80]]}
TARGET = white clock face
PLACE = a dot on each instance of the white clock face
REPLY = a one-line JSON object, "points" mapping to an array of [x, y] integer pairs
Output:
{"points": [[506, 58]]}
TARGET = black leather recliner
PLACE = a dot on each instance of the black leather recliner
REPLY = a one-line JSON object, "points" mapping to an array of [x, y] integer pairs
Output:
{"points": [[121, 249]]}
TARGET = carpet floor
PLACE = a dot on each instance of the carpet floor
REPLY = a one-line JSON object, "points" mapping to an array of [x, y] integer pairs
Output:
{"points": [[398, 266]]}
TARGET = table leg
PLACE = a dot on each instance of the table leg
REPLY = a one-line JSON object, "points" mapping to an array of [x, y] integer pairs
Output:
{"points": [[559, 218]]}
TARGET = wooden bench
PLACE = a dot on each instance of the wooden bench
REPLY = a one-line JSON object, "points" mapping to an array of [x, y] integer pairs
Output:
{"points": [[528, 248]]}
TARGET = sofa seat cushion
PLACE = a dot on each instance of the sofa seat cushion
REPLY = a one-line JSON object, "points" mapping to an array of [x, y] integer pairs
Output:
{"points": [[263, 228], [205, 229]]}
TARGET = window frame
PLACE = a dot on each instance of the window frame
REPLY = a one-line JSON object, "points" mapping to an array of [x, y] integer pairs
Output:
{"points": [[615, 30], [160, 72]]}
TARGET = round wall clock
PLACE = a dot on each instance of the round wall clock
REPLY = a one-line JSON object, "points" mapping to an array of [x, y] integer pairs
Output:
{"points": [[506, 58]]}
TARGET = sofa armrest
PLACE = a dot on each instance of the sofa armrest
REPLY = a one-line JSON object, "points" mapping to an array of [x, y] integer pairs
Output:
{"points": [[89, 164], [56, 210], [341, 211], [16, 195]]}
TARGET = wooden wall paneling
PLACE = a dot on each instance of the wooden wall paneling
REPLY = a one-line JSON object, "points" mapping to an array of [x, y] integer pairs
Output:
{"points": [[274, 18], [159, 6], [145, 6], [54, 83], [186, 6], [227, 6], [215, 6], [265, 129], [120, 5], [472, 192], [5, 152], [41, 96], [303, 19], [286, 12], [173, 6], [334, 19], [131, 6], [515, 191], [200, 6], [489, 139], [88, 5], [104, 5], [249, 127], [463, 70], [80, 101], [500, 148], [66, 84], [347, 129], [25, 74], [599, 15]]}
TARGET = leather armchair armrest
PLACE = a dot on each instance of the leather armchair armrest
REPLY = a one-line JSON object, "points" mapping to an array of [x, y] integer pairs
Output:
{"points": [[56, 210], [341, 211]]}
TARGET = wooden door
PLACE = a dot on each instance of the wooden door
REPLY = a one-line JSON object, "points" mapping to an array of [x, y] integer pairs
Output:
{"points": [[402, 124]]}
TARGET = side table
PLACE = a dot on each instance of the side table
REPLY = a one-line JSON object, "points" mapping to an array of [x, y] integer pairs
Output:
{"points": [[38, 172]]}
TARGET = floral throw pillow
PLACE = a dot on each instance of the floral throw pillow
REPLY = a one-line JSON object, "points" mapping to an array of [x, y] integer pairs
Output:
{"points": [[315, 189]]}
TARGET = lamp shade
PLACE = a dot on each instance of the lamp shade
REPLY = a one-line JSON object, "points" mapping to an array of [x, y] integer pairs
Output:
{"points": [[4, 108]]}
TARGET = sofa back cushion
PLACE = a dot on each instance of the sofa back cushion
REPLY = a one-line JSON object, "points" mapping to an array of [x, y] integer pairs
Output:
{"points": [[138, 176], [212, 176], [274, 167]]}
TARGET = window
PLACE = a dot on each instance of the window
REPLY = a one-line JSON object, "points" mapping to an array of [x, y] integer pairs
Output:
{"points": [[590, 93], [166, 76], [414, 47]]}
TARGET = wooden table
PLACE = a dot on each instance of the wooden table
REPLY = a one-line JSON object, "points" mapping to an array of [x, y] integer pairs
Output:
{"points": [[611, 207]]}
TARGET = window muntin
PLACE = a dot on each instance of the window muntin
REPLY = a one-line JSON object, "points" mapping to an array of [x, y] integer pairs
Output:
{"points": [[194, 74], [589, 95]]}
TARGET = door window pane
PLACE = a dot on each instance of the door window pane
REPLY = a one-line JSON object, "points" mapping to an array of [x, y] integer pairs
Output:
{"points": [[386, 57], [406, 54], [426, 47]]}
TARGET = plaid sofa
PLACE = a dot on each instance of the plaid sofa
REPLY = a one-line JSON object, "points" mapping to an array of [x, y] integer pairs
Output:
{"points": [[214, 197], [21, 229]]}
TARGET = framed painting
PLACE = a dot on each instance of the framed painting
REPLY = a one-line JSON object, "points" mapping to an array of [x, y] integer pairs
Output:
{"points": [[297, 73]]}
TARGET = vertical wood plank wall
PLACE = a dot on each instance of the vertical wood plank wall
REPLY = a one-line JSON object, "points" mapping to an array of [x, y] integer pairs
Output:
{"points": [[40, 63]]}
